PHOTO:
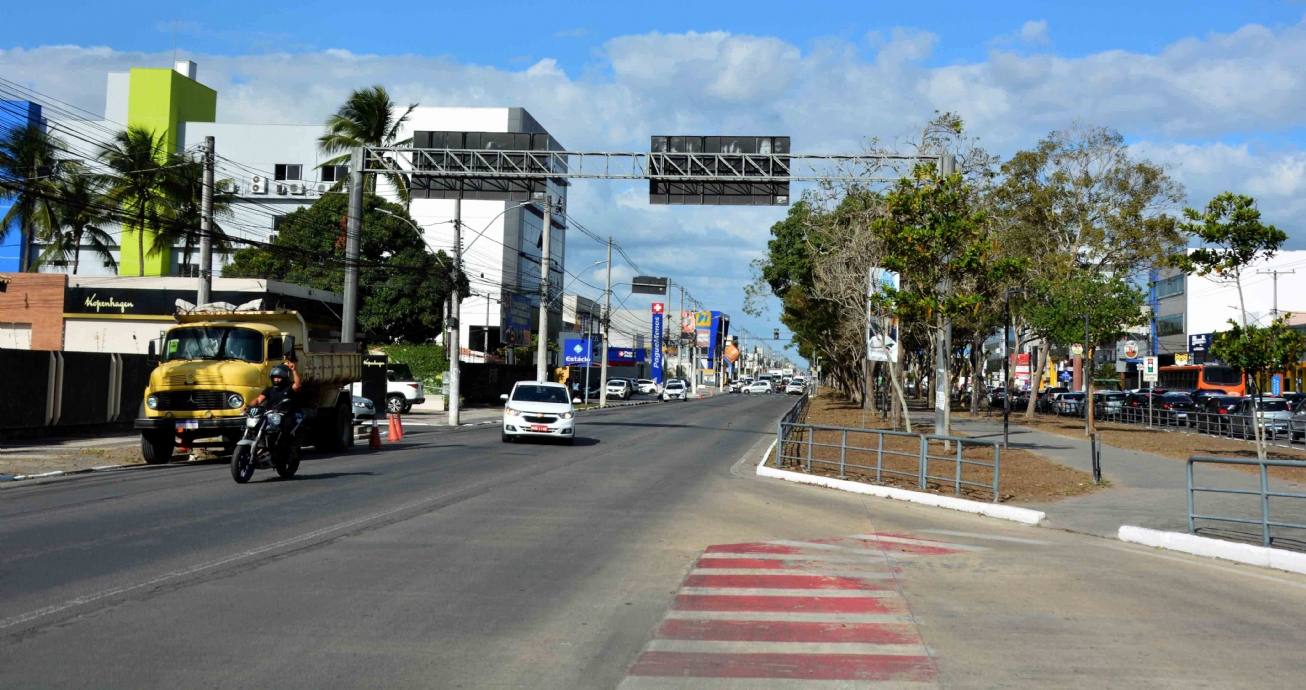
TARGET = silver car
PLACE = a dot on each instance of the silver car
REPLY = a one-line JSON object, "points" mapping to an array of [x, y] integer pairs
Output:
{"points": [[1276, 417]]}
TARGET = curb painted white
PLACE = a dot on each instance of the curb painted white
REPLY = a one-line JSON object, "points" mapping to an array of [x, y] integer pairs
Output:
{"points": [[1022, 515], [1250, 554]]}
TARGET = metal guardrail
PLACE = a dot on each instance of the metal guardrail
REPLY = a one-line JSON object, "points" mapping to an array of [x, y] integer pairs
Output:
{"points": [[793, 415], [1264, 493], [1284, 433], [796, 441]]}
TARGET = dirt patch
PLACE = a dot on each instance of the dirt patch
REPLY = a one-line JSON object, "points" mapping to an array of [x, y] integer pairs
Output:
{"points": [[1170, 442], [894, 460]]}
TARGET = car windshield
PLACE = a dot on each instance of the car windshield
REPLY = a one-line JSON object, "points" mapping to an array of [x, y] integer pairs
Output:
{"points": [[544, 394], [675, 384], [207, 342], [1274, 406]]}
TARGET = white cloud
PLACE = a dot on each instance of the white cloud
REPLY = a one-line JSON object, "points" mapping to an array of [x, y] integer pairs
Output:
{"points": [[1178, 104]]}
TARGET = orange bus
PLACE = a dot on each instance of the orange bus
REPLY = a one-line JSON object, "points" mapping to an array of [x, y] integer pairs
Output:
{"points": [[1203, 377]]}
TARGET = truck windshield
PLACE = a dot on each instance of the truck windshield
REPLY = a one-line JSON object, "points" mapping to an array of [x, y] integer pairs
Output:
{"points": [[210, 342]]}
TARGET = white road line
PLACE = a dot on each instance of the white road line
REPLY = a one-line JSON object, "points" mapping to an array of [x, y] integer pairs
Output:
{"points": [[767, 592], [185, 572], [918, 542], [830, 547], [991, 537], [752, 647], [822, 572], [789, 616], [677, 683]]}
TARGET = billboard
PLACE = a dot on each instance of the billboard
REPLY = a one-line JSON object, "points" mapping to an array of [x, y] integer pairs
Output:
{"points": [[656, 346], [882, 329], [722, 158], [515, 314], [578, 351]]}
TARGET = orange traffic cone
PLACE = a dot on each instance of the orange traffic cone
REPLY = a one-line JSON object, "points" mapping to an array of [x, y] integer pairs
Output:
{"points": [[374, 441], [396, 429]]}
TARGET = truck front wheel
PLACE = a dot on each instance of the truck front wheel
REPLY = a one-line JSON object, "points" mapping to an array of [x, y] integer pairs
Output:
{"points": [[337, 429], [156, 447]]}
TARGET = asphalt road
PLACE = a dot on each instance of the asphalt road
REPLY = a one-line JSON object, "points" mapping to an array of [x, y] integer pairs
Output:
{"points": [[451, 560]]}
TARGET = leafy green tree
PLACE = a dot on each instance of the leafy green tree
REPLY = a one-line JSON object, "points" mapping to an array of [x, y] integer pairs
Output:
{"points": [[183, 190], [80, 215], [402, 285], [1257, 350], [1233, 238], [1111, 305], [27, 164], [138, 162], [366, 118]]}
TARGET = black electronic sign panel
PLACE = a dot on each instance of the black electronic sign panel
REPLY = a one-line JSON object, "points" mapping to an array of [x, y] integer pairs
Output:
{"points": [[487, 188], [722, 158]]}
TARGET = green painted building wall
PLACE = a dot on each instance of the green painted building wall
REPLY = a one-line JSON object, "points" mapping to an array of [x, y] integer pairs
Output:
{"points": [[160, 99]]}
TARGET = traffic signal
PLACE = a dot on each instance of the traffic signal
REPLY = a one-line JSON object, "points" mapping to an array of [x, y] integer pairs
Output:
{"points": [[776, 333]]}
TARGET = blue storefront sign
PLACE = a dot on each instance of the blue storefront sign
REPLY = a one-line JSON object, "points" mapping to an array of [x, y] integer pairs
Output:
{"points": [[657, 345], [578, 351], [624, 356], [1200, 342], [1276, 385]]}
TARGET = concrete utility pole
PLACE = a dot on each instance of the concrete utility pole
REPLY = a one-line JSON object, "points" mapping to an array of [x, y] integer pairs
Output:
{"points": [[943, 341], [680, 334], [1275, 273], [206, 228], [542, 347], [455, 310], [353, 242], [607, 323]]}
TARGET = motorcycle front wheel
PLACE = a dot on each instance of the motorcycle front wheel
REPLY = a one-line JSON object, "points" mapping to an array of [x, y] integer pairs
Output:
{"points": [[242, 464]]}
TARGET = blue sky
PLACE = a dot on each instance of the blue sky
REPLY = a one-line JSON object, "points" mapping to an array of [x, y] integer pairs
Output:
{"points": [[1213, 90]]}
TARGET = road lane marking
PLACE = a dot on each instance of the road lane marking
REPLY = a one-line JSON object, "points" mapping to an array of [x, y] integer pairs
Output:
{"points": [[991, 537], [832, 572], [674, 683], [788, 631], [767, 647], [710, 602], [789, 616], [771, 592], [772, 580], [795, 666]]}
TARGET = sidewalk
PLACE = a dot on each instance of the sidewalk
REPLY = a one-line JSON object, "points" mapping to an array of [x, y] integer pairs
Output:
{"points": [[1148, 490]]}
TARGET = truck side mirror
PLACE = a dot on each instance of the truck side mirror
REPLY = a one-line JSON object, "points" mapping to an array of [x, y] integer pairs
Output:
{"points": [[152, 355], [288, 348]]}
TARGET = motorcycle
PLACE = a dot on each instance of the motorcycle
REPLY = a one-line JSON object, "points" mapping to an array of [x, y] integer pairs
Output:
{"points": [[271, 441]]}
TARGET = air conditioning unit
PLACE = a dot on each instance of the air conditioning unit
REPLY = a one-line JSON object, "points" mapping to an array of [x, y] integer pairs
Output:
{"points": [[272, 237], [297, 188], [281, 189], [259, 185], [322, 187]]}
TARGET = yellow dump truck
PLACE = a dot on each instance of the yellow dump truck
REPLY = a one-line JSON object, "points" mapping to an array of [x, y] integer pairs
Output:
{"points": [[212, 363]]}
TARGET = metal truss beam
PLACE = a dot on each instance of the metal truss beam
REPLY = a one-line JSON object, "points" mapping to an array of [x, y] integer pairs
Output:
{"points": [[687, 167]]}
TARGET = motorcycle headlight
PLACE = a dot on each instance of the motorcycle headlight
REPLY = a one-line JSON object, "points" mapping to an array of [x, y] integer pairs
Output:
{"points": [[511, 412], [152, 402], [251, 422], [235, 401], [565, 415], [274, 419]]}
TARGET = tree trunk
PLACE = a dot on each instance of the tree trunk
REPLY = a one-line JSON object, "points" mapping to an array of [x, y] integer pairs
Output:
{"points": [[902, 398], [1256, 406], [1036, 380], [77, 251], [976, 352], [140, 245]]}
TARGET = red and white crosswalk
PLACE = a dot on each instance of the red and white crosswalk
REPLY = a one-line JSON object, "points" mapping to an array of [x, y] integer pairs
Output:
{"points": [[795, 615]]}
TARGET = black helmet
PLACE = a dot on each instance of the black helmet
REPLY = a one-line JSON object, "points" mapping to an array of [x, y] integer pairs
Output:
{"points": [[280, 376]]}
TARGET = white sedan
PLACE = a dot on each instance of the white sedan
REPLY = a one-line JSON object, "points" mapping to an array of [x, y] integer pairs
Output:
{"points": [[675, 390], [757, 387], [541, 410]]}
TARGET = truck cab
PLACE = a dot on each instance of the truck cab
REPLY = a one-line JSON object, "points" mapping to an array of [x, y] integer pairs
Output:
{"points": [[211, 364]]}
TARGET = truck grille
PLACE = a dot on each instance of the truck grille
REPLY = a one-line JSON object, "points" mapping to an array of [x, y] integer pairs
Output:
{"points": [[192, 400], [198, 380]]}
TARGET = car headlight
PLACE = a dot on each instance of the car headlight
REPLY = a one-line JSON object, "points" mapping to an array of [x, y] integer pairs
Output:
{"points": [[152, 402], [235, 401], [565, 415], [511, 412]]}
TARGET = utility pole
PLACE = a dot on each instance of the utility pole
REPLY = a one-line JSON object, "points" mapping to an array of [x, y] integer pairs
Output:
{"points": [[943, 341], [353, 240], [455, 310], [546, 272], [1275, 273], [607, 323], [206, 228], [589, 342], [680, 334]]}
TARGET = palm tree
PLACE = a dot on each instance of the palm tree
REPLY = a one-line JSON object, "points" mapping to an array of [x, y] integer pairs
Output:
{"points": [[139, 164], [27, 165], [367, 118], [184, 190], [80, 212]]}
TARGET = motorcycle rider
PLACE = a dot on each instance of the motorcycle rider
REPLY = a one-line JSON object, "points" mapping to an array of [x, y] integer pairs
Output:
{"points": [[282, 388]]}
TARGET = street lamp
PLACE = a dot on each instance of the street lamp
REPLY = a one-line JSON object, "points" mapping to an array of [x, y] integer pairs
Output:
{"points": [[1006, 368]]}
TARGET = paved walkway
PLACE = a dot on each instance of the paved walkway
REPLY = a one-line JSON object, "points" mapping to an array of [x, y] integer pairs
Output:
{"points": [[1148, 490]]}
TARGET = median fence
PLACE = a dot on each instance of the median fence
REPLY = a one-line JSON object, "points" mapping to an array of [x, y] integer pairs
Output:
{"points": [[966, 465], [1262, 493], [1286, 433]]}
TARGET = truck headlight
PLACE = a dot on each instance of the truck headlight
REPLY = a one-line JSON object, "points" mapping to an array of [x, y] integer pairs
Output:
{"points": [[152, 402], [235, 401]]}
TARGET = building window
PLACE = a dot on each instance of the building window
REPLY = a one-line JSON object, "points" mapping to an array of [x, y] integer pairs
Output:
{"points": [[1169, 287], [188, 270], [1172, 324], [335, 173], [289, 171]]}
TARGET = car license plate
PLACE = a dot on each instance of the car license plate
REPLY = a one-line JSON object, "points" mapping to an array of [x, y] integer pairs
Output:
{"points": [[1183, 415], [539, 427], [189, 424]]}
